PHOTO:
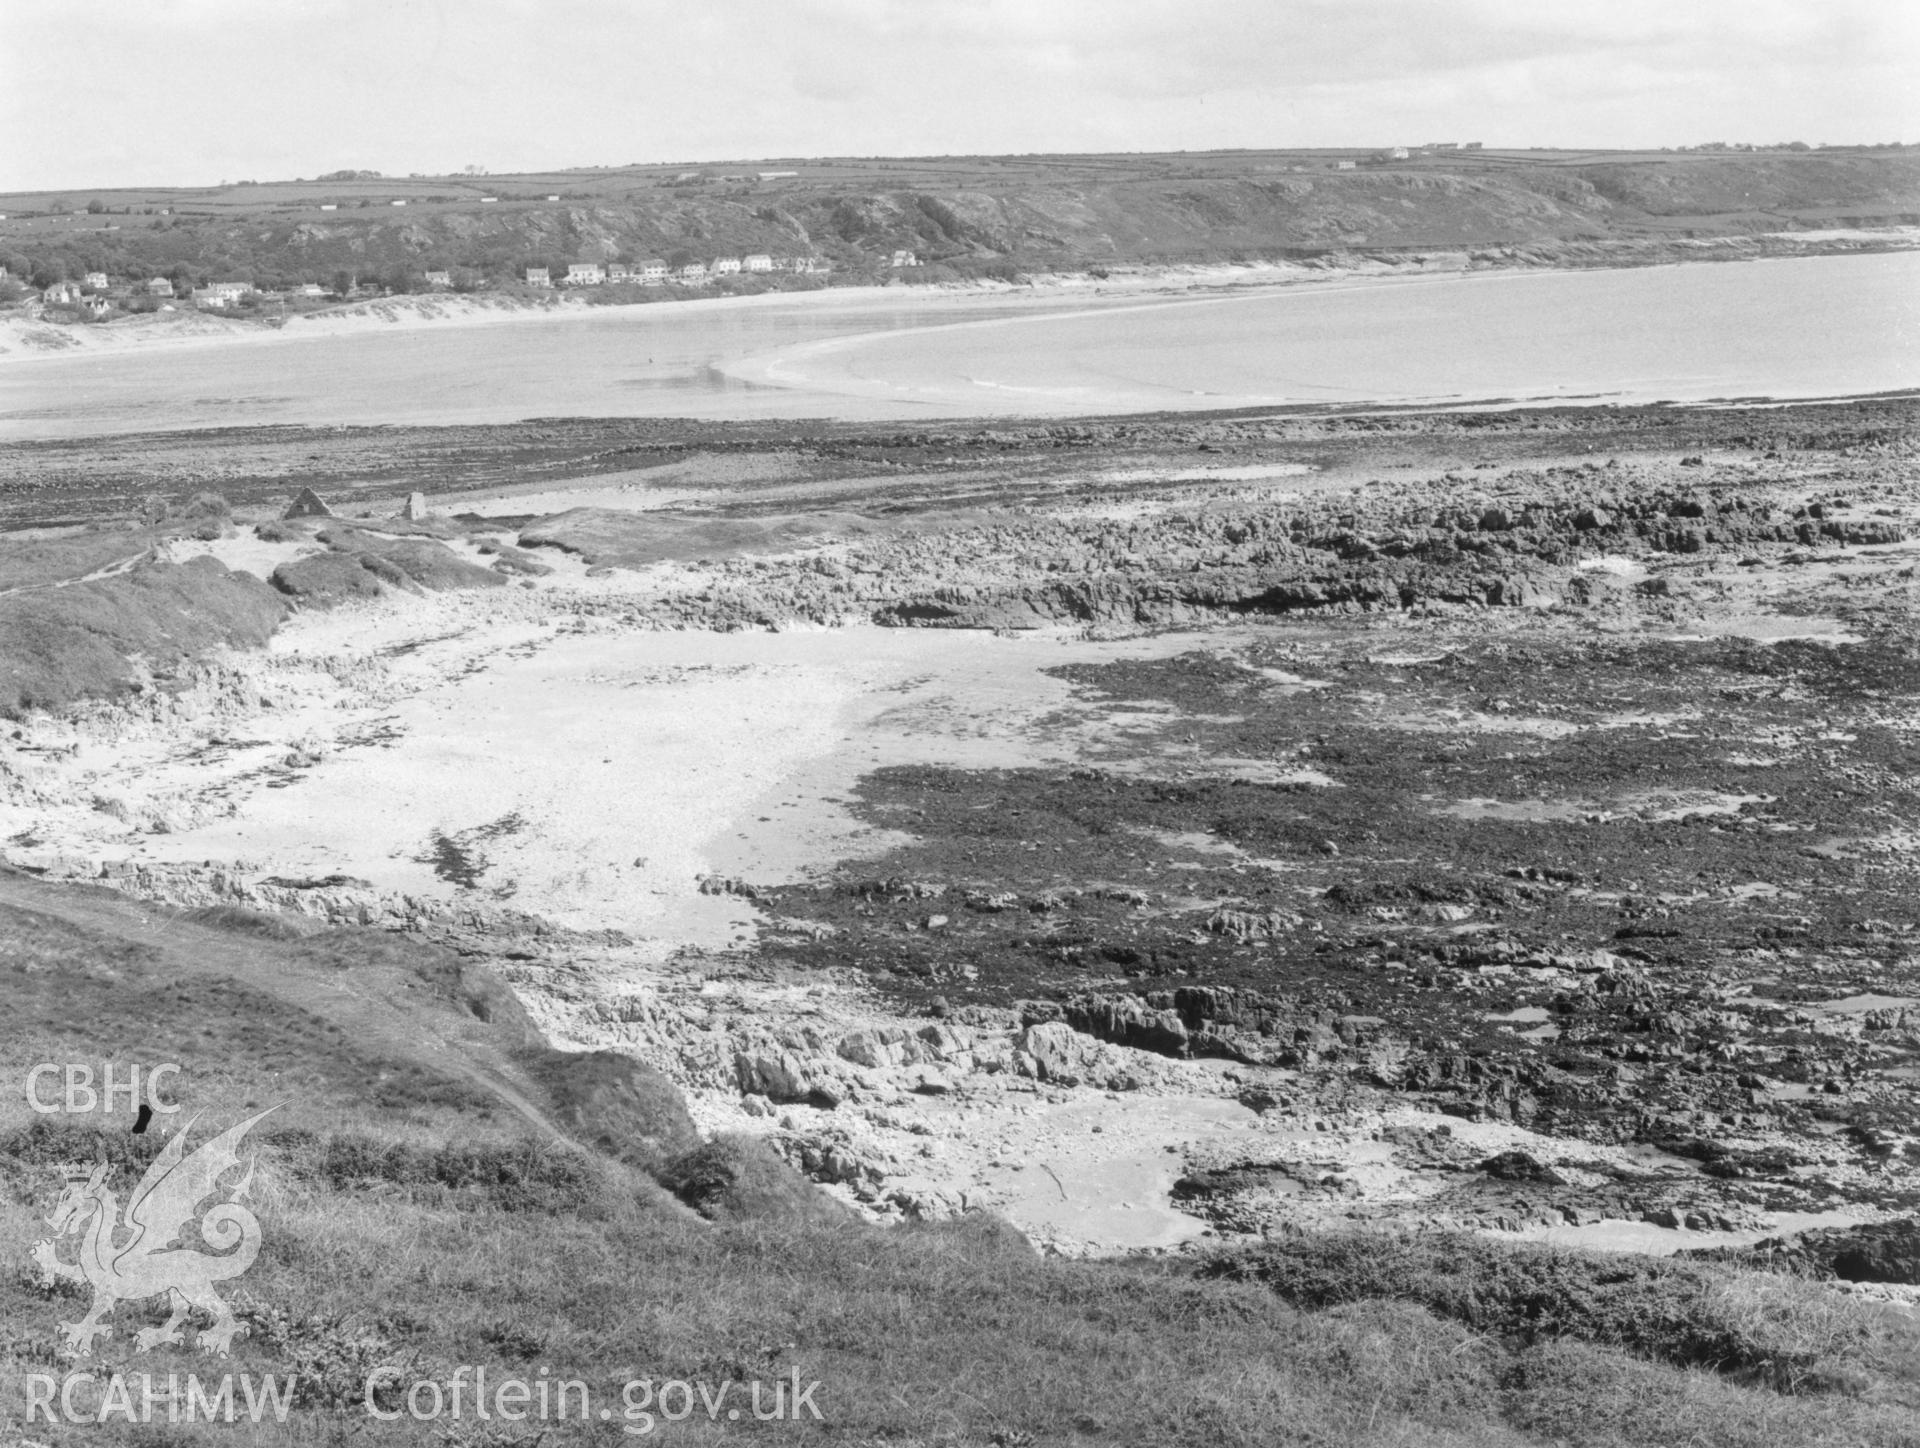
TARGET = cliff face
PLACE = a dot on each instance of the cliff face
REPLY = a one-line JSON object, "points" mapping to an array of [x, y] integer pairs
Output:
{"points": [[1139, 214]]}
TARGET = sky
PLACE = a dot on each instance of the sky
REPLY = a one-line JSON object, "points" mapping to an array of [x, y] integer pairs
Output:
{"points": [[189, 92]]}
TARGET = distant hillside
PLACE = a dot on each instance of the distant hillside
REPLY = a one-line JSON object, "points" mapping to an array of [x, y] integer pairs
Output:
{"points": [[966, 218]]}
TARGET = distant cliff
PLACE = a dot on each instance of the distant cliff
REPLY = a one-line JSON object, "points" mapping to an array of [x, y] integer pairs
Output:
{"points": [[972, 224]]}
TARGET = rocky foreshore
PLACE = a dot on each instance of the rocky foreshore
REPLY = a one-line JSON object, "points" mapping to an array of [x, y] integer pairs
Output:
{"points": [[1512, 839]]}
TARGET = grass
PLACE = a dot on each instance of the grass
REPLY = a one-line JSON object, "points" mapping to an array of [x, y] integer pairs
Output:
{"points": [[76, 995], [99, 639], [408, 1232], [1782, 1330]]}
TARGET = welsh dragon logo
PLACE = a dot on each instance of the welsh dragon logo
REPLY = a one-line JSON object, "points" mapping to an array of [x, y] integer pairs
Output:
{"points": [[147, 1259]]}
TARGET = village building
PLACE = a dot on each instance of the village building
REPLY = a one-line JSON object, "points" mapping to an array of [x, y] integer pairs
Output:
{"points": [[777, 175], [439, 279], [758, 262], [1344, 165], [537, 277], [210, 297], [693, 274], [903, 257], [398, 201], [488, 200], [159, 287], [1392, 153], [586, 274], [61, 294], [619, 272], [725, 265], [98, 281], [554, 197], [96, 306], [653, 272], [309, 289], [329, 206]]}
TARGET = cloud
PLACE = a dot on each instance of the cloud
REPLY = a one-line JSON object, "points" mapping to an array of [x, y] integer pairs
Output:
{"points": [[193, 90]]}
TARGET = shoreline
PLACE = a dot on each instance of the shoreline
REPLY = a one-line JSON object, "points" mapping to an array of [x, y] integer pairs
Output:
{"points": [[24, 342]]}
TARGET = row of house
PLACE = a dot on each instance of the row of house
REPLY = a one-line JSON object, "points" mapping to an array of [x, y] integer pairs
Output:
{"points": [[655, 272], [1401, 153], [97, 291]]}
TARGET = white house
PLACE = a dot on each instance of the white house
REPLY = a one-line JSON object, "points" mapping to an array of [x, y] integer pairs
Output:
{"points": [[97, 306], [232, 291], [693, 274], [777, 175], [537, 277], [653, 272], [1344, 165], [758, 262], [725, 265], [398, 201], [618, 272], [329, 206], [309, 289], [488, 200], [439, 279], [210, 297], [586, 274], [1393, 153], [554, 197], [97, 280], [160, 287], [903, 257], [61, 294]]}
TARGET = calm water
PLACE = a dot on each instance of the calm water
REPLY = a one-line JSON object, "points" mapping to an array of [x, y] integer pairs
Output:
{"points": [[1819, 327]]}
